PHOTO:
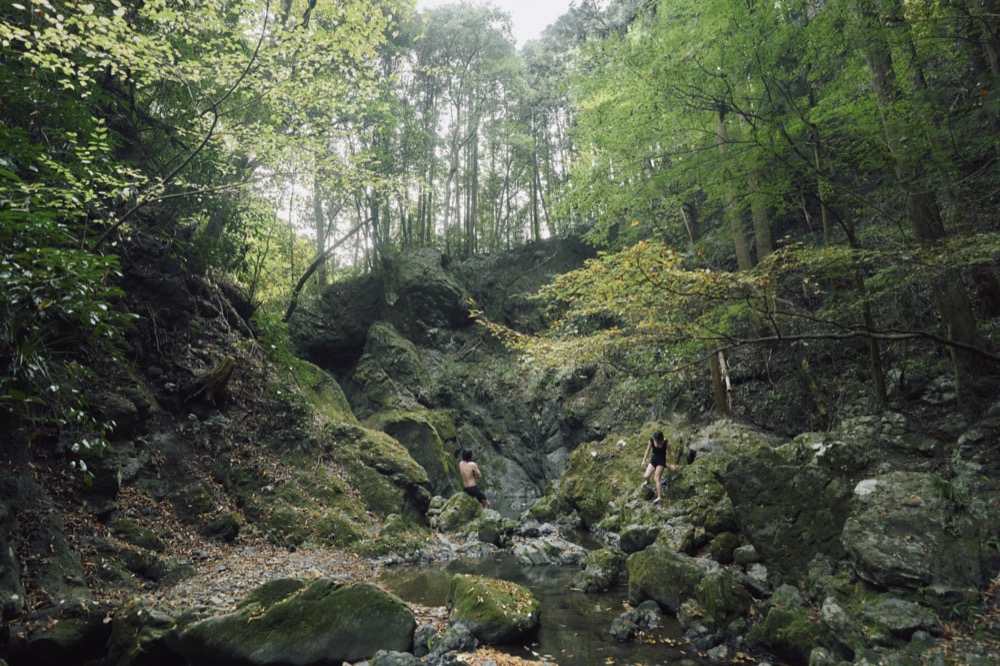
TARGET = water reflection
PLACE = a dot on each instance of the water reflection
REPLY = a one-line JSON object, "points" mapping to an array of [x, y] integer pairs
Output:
{"points": [[575, 627]]}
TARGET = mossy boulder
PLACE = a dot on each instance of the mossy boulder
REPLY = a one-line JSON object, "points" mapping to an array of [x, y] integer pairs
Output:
{"points": [[140, 636], [366, 465], [494, 611], [322, 391], [324, 622], [722, 547], [390, 374], [600, 473], [549, 507], [790, 632], [721, 598], [395, 535], [422, 433], [790, 512], [459, 513], [666, 577], [131, 532], [602, 569]]}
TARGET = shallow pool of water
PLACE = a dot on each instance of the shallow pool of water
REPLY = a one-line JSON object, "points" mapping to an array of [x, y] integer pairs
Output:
{"points": [[575, 627]]}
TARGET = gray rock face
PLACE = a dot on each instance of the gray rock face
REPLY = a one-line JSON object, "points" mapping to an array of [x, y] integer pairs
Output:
{"points": [[324, 623], [906, 532], [790, 513]]}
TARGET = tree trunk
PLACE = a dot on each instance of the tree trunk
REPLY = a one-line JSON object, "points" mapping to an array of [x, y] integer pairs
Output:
{"points": [[921, 207], [319, 220], [736, 225]]}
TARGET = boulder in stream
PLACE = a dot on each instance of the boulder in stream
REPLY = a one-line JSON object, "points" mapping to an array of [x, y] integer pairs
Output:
{"points": [[494, 611], [324, 622]]}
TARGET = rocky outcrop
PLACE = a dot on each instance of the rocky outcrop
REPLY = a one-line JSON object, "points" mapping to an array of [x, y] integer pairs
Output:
{"points": [[494, 611], [789, 512], [423, 434], [909, 532]]}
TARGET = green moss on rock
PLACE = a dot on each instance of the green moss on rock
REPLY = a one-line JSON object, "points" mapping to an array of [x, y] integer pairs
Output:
{"points": [[792, 633], [494, 611], [325, 622], [418, 432], [459, 513]]}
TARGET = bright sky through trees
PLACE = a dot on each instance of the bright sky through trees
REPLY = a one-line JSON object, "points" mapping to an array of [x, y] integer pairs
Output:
{"points": [[530, 17]]}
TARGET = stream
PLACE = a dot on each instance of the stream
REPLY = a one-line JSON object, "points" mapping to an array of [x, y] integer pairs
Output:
{"points": [[575, 627]]}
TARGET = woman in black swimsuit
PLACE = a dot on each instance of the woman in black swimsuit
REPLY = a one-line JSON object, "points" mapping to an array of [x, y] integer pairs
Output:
{"points": [[660, 448]]}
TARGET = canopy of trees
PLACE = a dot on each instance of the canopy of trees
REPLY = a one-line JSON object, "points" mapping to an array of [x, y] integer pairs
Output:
{"points": [[760, 173]]}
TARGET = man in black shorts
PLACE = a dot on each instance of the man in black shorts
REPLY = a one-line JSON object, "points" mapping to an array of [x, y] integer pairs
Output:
{"points": [[470, 478]]}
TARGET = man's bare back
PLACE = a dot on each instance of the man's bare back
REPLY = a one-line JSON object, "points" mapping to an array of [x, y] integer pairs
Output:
{"points": [[470, 473], [470, 478]]}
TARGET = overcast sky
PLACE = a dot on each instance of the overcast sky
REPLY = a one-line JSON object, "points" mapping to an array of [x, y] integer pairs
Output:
{"points": [[530, 16]]}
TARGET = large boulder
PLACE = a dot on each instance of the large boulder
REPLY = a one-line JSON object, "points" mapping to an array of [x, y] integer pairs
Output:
{"points": [[322, 623], [390, 375], [494, 611], [666, 577], [459, 513], [907, 532], [423, 295], [602, 569], [789, 512], [331, 332], [422, 433]]}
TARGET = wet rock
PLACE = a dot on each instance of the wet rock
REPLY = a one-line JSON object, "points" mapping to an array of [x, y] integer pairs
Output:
{"points": [[456, 638], [549, 550], [789, 627], [631, 623], [384, 658], [494, 611], [423, 638]]}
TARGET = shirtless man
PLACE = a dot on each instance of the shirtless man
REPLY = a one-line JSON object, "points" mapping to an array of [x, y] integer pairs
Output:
{"points": [[470, 477]]}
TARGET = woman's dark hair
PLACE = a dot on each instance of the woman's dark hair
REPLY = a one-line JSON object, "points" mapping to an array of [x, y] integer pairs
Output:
{"points": [[658, 436]]}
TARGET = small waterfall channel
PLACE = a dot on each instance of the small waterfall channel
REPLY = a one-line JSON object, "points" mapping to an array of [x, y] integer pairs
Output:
{"points": [[575, 627]]}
